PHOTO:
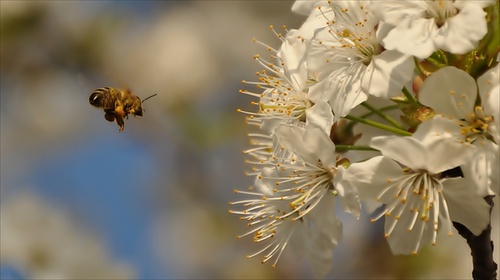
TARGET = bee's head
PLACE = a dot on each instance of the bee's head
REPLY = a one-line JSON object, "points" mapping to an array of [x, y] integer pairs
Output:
{"points": [[96, 98], [139, 110]]}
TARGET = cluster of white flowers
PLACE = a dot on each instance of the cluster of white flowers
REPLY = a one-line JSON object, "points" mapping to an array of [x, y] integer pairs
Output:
{"points": [[435, 63]]}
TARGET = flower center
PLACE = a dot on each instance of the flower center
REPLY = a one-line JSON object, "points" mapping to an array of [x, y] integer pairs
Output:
{"points": [[440, 11], [415, 198], [476, 125], [353, 32], [282, 103]]}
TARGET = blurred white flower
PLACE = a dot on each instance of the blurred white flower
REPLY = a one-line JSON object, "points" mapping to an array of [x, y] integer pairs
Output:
{"points": [[42, 242], [421, 27]]}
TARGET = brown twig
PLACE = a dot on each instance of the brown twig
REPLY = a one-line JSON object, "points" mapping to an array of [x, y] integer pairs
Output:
{"points": [[481, 247]]}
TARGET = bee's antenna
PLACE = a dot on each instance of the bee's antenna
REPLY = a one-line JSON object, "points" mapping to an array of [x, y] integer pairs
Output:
{"points": [[148, 97]]}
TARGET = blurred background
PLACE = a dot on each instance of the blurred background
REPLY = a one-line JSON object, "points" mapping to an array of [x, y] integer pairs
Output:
{"points": [[79, 200]]}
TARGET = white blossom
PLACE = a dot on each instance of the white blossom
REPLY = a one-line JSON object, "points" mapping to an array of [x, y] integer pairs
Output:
{"points": [[453, 94], [419, 199], [351, 63], [284, 83], [423, 26], [290, 190]]}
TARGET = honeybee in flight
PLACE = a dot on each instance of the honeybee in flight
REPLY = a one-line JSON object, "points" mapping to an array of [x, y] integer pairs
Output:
{"points": [[117, 104]]}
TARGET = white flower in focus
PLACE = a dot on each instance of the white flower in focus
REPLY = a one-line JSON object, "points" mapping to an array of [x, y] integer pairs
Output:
{"points": [[422, 27], [293, 199], [285, 88], [419, 198], [351, 62], [453, 94], [44, 243]]}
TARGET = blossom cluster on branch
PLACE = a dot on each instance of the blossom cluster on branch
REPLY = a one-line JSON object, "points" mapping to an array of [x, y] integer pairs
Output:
{"points": [[424, 74]]}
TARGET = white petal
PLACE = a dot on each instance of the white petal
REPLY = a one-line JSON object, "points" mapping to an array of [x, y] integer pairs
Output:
{"points": [[460, 4], [449, 91], [483, 169], [350, 197], [326, 233], [413, 37], [434, 157], [465, 205], [263, 184], [370, 177], [439, 128], [394, 12], [293, 56], [404, 241], [320, 144], [345, 93], [387, 73], [489, 90], [461, 33], [304, 7], [290, 137], [315, 20], [321, 115], [311, 144]]}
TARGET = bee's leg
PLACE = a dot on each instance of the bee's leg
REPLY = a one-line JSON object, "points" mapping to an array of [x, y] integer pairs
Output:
{"points": [[119, 114], [120, 122]]}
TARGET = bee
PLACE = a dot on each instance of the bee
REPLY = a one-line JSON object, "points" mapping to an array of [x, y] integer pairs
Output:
{"points": [[117, 104]]}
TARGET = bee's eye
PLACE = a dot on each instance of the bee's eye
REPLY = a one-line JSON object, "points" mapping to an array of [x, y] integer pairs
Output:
{"points": [[95, 99]]}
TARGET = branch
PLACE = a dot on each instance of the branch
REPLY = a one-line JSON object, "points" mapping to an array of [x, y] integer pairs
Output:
{"points": [[481, 247]]}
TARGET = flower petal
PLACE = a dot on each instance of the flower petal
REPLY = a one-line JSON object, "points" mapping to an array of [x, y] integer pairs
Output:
{"points": [[320, 114], [311, 144], [349, 192], [404, 241], [325, 236], [465, 205], [461, 32], [432, 156], [370, 177], [489, 90], [320, 144], [412, 36], [387, 73], [449, 91], [292, 54]]}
